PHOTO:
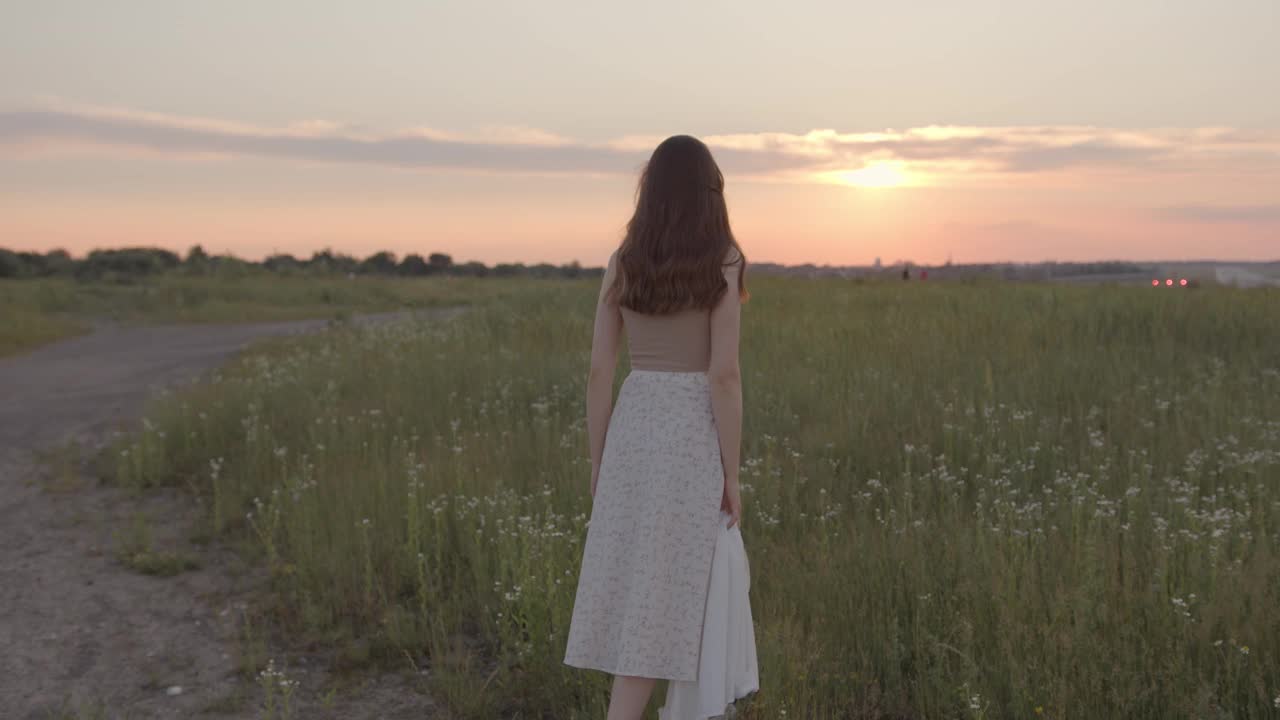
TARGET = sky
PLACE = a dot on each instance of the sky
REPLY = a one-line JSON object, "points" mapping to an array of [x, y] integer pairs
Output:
{"points": [[514, 131]]}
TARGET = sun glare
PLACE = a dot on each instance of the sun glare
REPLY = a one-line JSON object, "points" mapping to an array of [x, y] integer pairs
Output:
{"points": [[875, 175]]}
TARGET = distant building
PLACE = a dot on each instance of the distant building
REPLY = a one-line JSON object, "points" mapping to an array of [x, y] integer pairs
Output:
{"points": [[1242, 277]]}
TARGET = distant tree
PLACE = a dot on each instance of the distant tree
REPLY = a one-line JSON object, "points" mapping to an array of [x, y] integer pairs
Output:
{"points": [[440, 262], [321, 261], [473, 269], [166, 259], [11, 265], [59, 262], [543, 270], [33, 264], [197, 261], [327, 261], [230, 266], [509, 269], [345, 264], [379, 263], [282, 263], [414, 266], [127, 263], [572, 270], [24, 263]]}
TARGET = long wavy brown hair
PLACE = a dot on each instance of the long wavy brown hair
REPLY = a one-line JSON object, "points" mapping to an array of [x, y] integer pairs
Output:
{"points": [[678, 241]]}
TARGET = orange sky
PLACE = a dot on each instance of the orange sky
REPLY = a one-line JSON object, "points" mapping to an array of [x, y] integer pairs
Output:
{"points": [[511, 133], [1186, 204]]}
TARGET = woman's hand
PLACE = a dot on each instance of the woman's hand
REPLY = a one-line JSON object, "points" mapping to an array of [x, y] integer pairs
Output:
{"points": [[731, 502]]}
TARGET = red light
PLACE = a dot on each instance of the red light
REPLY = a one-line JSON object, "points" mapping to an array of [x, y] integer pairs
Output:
{"points": [[1155, 283], [1169, 281], [1183, 282]]}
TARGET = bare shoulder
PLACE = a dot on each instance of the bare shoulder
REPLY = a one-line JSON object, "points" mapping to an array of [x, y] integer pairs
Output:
{"points": [[607, 296], [733, 260], [611, 268]]}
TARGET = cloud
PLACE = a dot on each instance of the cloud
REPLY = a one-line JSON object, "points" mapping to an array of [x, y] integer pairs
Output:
{"points": [[1220, 213], [945, 152], [313, 142], [1090, 153]]}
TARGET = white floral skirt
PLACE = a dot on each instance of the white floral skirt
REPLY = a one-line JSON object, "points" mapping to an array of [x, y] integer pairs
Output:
{"points": [[646, 564], [727, 667]]}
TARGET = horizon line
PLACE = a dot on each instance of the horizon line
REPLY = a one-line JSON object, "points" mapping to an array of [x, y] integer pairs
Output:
{"points": [[898, 262]]}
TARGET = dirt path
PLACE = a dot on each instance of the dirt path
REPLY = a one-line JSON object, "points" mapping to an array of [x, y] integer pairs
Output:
{"points": [[80, 634]]}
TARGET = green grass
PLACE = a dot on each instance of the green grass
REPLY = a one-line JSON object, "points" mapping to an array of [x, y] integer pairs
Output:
{"points": [[36, 312], [23, 329], [135, 549], [962, 501]]}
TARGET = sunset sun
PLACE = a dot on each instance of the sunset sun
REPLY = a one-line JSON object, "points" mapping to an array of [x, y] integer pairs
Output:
{"points": [[874, 175]]}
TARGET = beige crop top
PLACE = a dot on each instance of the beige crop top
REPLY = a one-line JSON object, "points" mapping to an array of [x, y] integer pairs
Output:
{"points": [[679, 342], [675, 342]]}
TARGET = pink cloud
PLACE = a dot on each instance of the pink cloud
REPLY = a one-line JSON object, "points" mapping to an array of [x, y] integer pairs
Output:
{"points": [[935, 154]]}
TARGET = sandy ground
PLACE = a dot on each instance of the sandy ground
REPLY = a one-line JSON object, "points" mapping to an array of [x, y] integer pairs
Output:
{"points": [[81, 635]]}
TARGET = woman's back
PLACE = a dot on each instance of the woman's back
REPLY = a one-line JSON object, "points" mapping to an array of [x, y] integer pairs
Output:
{"points": [[678, 341], [675, 342]]}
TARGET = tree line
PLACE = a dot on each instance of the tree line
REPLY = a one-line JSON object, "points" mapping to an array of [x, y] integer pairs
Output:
{"points": [[132, 263]]}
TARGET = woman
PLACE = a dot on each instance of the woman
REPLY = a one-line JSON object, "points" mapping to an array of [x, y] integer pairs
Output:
{"points": [[665, 483]]}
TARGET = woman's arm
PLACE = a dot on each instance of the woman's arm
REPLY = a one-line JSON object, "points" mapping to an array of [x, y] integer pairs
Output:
{"points": [[726, 388], [604, 360]]}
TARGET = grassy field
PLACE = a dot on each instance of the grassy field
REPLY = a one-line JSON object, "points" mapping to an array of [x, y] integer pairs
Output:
{"points": [[35, 312], [962, 501]]}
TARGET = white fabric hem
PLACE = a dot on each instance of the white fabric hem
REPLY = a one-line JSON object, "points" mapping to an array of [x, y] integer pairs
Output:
{"points": [[727, 665]]}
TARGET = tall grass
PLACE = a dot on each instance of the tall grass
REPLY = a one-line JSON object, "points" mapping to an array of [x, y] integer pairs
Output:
{"points": [[33, 312], [964, 501], [22, 329]]}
